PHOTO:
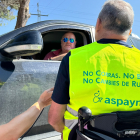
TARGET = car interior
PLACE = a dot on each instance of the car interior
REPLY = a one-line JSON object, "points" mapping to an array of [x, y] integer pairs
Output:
{"points": [[52, 41]]}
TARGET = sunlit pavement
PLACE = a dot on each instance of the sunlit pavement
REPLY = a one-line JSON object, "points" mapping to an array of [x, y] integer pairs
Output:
{"points": [[53, 138], [46, 136]]}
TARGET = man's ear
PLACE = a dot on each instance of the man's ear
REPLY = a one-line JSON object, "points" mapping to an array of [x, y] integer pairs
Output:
{"points": [[98, 25], [130, 31]]}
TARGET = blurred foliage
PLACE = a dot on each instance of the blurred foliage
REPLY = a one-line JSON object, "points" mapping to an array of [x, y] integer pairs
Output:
{"points": [[6, 10]]}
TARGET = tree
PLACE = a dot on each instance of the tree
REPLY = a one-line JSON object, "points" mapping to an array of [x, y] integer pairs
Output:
{"points": [[6, 9], [23, 13]]}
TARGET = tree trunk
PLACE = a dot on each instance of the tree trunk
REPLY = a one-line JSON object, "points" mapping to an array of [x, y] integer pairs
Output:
{"points": [[23, 13]]}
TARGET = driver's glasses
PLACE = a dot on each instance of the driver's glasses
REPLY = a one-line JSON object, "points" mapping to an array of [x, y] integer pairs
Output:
{"points": [[66, 40]]}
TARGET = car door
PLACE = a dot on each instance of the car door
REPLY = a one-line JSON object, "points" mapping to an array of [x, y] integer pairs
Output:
{"points": [[23, 80]]}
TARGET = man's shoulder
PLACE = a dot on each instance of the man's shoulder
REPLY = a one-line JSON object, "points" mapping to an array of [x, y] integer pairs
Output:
{"points": [[52, 53], [56, 52]]}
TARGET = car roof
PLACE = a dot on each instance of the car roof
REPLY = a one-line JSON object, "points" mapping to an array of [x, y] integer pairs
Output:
{"points": [[36, 26]]}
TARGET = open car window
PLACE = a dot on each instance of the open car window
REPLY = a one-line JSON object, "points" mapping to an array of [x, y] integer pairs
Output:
{"points": [[52, 41]]}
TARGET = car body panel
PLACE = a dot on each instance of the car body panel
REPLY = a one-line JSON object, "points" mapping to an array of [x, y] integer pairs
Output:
{"points": [[21, 83]]}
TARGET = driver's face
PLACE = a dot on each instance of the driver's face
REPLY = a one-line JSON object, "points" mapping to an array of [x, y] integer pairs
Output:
{"points": [[67, 45]]}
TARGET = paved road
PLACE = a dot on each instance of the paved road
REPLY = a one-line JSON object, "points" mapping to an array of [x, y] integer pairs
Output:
{"points": [[53, 138], [46, 136]]}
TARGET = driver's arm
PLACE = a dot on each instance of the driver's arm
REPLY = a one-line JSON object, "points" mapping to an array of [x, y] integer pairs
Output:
{"points": [[58, 58]]}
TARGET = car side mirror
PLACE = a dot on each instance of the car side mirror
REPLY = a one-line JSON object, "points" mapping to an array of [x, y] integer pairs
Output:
{"points": [[25, 44]]}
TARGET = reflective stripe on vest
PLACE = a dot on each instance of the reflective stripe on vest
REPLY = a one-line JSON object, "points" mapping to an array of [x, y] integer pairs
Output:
{"points": [[71, 123], [72, 111]]}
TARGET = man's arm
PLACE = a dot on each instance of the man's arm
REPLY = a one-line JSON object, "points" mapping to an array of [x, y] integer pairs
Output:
{"points": [[56, 116], [20, 124], [59, 57], [60, 96]]}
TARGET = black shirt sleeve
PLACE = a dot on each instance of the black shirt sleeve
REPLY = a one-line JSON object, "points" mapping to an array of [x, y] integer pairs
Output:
{"points": [[61, 90]]}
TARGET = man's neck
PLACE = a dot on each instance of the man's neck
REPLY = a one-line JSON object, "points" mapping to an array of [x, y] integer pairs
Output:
{"points": [[111, 35]]}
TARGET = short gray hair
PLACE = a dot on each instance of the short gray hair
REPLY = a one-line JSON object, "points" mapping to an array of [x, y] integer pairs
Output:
{"points": [[117, 16]]}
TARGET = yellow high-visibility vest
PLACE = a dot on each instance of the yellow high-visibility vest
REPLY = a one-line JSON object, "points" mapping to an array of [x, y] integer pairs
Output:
{"points": [[103, 77]]}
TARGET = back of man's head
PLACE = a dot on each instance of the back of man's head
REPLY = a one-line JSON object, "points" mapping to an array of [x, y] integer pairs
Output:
{"points": [[117, 16]]}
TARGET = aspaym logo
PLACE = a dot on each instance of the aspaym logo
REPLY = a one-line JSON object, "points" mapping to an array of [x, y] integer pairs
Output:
{"points": [[97, 97], [115, 101]]}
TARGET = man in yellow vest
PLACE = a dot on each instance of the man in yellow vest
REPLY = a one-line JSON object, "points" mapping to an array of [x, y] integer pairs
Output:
{"points": [[103, 76]]}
